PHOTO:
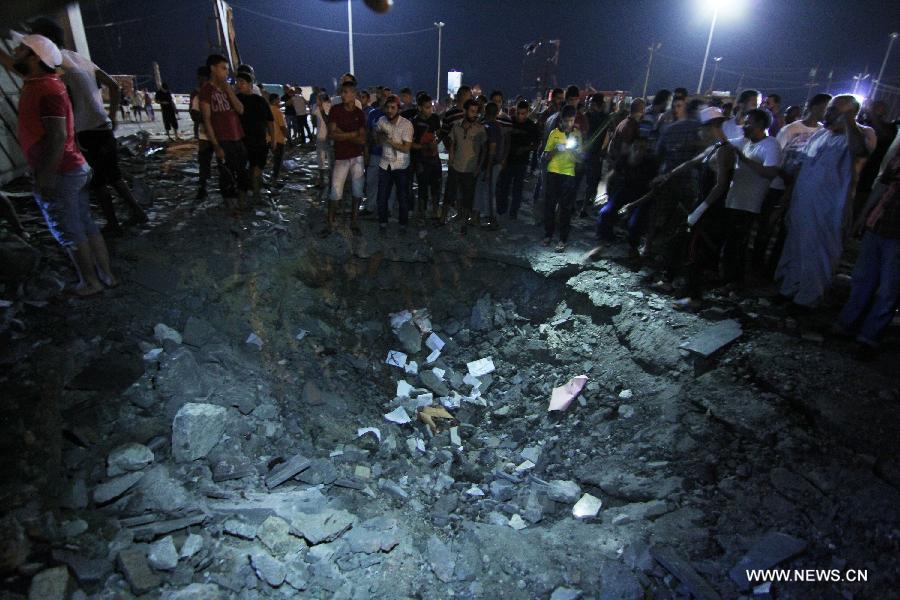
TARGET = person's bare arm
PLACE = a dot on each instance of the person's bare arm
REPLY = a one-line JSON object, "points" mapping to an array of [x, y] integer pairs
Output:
{"points": [[52, 144], [856, 141], [685, 166], [206, 111], [359, 137], [115, 93], [724, 172]]}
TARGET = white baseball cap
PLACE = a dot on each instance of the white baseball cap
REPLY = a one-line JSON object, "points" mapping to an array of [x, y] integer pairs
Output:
{"points": [[711, 113], [44, 48]]}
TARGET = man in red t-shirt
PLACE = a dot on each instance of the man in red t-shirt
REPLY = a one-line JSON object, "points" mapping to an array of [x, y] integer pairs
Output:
{"points": [[347, 127], [221, 111], [46, 132]]}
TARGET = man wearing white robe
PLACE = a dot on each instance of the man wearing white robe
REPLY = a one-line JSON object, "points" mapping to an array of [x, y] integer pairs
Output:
{"points": [[817, 213]]}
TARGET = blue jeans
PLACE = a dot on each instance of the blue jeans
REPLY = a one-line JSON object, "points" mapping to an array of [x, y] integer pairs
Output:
{"points": [[388, 179], [876, 288], [609, 215], [68, 209]]}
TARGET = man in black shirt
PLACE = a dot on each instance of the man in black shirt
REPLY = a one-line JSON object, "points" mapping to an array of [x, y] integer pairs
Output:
{"points": [[425, 159], [599, 122], [257, 123], [451, 116], [524, 136]]}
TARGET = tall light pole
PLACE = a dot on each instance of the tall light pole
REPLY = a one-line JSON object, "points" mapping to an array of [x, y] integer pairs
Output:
{"points": [[884, 62], [712, 84], [712, 27], [653, 48], [437, 92], [350, 34]]}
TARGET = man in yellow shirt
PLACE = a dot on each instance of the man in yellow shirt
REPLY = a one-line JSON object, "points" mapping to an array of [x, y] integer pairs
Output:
{"points": [[563, 147], [280, 135]]}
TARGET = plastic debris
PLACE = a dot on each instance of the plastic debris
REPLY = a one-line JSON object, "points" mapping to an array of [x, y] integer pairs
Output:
{"points": [[562, 396], [480, 367]]}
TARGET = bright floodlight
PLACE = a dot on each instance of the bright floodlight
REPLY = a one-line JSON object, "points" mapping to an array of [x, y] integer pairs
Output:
{"points": [[724, 10]]}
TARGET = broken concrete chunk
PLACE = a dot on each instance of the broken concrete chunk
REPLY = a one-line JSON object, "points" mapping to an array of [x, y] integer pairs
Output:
{"points": [[196, 429], [374, 535], [275, 534], [50, 584], [714, 337], [133, 565], [240, 529], [191, 546], [323, 526], [766, 552], [162, 555], [410, 337], [163, 332], [128, 457], [587, 507], [563, 490], [267, 568], [196, 591], [112, 489], [684, 572], [286, 470], [564, 593], [441, 559], [434, 382]]}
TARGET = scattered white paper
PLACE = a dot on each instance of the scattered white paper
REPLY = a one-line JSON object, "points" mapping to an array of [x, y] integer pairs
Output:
{"points": [[454, 436], [587, 507], [517, 523], [434, 342], [364, 430], [436, 354], [562, 396], [301, 334], [412, 367], [399, 318], [525, 465], [395, 358], [403, 388], [255, 340], [398, 415], [480, 367], [438, 372], [474, 491]]}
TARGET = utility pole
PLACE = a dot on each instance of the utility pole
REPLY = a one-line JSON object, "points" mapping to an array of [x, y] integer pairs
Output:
{"points": [[350, 34], [812, 81], [653, 48], [884, 62], [830, 75], [437, 93], [712, 84], [859, 78]]}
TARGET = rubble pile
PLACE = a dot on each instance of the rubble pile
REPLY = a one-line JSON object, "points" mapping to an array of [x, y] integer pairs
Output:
{"points": [[260, 412]]}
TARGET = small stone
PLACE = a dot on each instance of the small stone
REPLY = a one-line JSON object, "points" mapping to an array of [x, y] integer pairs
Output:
{"points": [[191, 546], [128, 457], [440, 558], [501, 490], [163, 556], [626, 411], [532, 453], [275, 534], [517, 522], [324, 526], [268, 569], [564, 593], [163, 332], [197, 591], [196, 429], [73, 528], [134, 567], [112, 489], [563, 490], [362, 472], [626, 395], [51, 584], [587, 507]]}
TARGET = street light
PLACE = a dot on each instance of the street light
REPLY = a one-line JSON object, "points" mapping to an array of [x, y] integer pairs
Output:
{"points": [[712, 84], [884, 62], [652, 49], [731, 9], [437, 93], [350, 34]]}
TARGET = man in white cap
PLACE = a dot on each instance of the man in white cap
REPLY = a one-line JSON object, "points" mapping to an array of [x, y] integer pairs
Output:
{"points": [[46, 132], [94, 125]]}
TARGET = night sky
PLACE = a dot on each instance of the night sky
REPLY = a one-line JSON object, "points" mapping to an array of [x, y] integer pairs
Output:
{"points": [[773, 43]]}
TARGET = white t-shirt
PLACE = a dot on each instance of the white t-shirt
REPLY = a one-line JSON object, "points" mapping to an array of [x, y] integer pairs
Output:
{"points": [[80, 77], [731, 129], [792, 138], [321, 125], [299, 103], [748, 190], [398, 132]]}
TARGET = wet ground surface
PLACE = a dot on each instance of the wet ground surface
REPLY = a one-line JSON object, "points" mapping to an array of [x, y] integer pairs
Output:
{"points": [[225, 424]]}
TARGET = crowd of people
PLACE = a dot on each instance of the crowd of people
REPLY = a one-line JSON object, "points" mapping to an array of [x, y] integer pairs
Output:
{"points": [[711, 189]]}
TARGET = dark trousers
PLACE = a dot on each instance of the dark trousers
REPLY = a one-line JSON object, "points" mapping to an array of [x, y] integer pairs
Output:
{"points": [[388, 179], [609, 215], [561, 193], [769, 228], [460, 191], [876, 288], [233, 174], [277, 159], [593, 173], [705, 248], [428, 175], [511, 178], [204, 157], [738, 224], [304, 131]]}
